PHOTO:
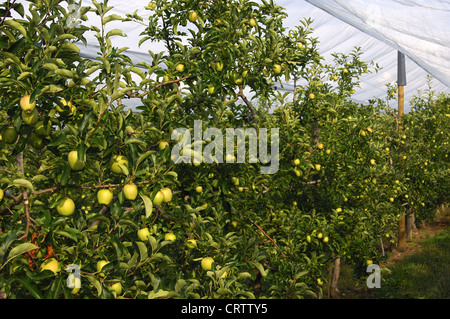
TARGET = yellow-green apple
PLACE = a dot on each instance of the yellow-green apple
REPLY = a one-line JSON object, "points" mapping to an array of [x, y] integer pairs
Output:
{"points": [[206, 263], [163, 145], [100, 265], [191, 243], [25, 104], [130, 191], [65, 207], [30, 118], [74, 163], [170, 237], [104, 196], [143, 234], [179, 67], [159, 198], [277, 69], [167, 192], [116, 161], [117, 287], [193, 16]]}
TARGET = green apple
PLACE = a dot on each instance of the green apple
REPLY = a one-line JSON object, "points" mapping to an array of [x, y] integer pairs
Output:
{"points": [[211, 89], [277, 69], [372, 161], [104, 196], [117, 287], [296, 162], [130, 191], [369, 262], [65, 207], [170, 237], [312, 96], [308, 239], [10, 135], [116, 161], [191, 243], [51, 264], [180, 67], [325, 239], [199, 189], [253, 22], [235, 181], [159, 198], [25, 104], [193, 16], [167, 192], [100, 265], [74, 163], [143, 234], [317, 166], [2, 193], [41, 129], [36, 141], [206, 263], [163, 145], [30, 118], [234, 223]]}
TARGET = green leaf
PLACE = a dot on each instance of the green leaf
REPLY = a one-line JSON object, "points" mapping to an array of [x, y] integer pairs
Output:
{"points": [[142, 157], [111, 17], [148, 205], [260, 268], [71, 233], [180, 284], [114, 32], [16, 25], [31, 287], [24, 75], [19, 250], [67, 46], [143, 251], [159, 294], [24, 183], [49, 66], [64, 73]]}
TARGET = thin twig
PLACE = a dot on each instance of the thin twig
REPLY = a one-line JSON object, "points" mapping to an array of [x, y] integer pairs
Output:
{"points": [[265, 234]]}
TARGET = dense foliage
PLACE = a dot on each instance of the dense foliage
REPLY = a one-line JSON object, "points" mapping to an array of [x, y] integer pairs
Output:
{"points": [[346, 174]]}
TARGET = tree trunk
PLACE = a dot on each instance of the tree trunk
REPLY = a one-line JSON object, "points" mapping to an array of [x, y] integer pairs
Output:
{"points": [[334, 281], [410, 225], [401, 233]]}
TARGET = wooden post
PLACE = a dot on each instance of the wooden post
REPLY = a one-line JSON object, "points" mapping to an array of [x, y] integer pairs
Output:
{"points": [[401, 82]]}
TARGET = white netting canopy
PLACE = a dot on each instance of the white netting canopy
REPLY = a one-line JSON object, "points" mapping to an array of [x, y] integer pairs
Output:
{"points": [[419, 29]]}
